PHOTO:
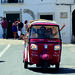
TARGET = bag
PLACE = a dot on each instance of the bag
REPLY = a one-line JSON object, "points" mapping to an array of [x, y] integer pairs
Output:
{"points": [[21, 24]]}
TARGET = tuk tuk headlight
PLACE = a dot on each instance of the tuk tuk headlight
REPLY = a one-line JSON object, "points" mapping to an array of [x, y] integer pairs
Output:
{"points": [[57, 47], [34, 47]]}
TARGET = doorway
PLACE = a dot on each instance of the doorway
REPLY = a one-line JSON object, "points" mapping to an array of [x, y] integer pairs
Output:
{"points": [[47, 17], [10, 19], [73, 23]]}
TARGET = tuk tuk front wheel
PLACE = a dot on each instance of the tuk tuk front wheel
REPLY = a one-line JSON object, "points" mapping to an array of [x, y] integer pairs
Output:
{"points": [[25, 64], [45, 66], [37, 65]]}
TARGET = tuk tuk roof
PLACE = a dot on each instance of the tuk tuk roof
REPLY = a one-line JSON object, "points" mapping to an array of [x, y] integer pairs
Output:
{"points": [[42, 22]]}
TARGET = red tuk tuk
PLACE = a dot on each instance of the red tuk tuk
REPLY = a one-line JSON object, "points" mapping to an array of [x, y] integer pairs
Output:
{"points": [[44, 45]]}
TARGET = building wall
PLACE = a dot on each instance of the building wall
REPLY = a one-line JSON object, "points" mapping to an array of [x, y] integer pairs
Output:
{"points": [[31, 10], [28, 9], [66, 32], [35, 6], [68, 7], [1, 14], [65, 1]]}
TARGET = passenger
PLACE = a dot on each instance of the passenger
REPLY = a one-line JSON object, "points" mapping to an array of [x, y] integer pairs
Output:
{"points": [[26, 39], [55, 31], [34, 33], [26, 26], [62, 27]]}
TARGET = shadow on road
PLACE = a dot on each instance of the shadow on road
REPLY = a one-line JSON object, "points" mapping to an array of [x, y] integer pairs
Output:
{"points": [[2, 61], [53, 71]]}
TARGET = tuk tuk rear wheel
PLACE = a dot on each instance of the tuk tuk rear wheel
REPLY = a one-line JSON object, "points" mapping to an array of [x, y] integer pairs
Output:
{"points": [[57, 66], [25, 64]]}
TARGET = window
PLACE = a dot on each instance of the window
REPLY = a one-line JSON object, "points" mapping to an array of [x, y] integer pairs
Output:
{"points": [[44, 32], [12, 1], [47, 17], [74, 1]]}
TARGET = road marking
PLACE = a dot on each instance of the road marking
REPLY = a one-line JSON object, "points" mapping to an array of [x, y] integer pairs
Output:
{"points": [[4, 50]]}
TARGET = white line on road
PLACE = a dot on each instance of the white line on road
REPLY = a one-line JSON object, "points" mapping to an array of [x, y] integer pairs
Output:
{"points": [[4, 50]]}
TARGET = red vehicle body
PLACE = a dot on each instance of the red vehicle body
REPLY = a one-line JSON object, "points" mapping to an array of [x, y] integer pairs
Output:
{"points": [[44, 50]]}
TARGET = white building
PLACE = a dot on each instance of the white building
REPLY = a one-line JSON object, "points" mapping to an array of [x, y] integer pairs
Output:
{"points": [[65, 14], [58, 10]]}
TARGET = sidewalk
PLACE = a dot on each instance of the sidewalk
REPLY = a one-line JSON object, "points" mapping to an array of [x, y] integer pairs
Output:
{"points": [[68, 45], [11, 41]]}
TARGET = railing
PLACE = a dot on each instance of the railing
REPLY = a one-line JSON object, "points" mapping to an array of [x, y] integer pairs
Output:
{"points": [[12, 1]]}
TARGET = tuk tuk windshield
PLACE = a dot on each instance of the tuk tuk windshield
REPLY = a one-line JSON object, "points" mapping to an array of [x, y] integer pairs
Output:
{"points": [[44, 32]]}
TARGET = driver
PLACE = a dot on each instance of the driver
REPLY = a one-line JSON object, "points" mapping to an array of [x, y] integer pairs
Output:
{"points": [[43, 29], [49, 33], [42, 32]]}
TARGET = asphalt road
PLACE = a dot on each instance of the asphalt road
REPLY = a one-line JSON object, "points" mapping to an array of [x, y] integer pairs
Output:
{"points": [[11, 60]]}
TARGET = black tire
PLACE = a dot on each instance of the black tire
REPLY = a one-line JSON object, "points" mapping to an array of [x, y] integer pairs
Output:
{"points": [[57, 66], [45, 66], [23, 60], [25, 64], [37, 65]]}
